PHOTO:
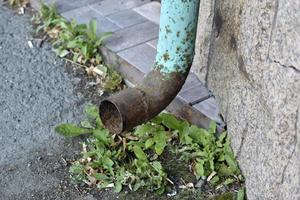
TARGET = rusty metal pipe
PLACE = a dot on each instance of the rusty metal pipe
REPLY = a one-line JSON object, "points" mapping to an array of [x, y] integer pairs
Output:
{"points": [[175, 52]]}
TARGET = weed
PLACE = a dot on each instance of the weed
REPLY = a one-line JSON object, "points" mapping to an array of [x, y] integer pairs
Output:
{"points": [[77, 43], [133, 159]]}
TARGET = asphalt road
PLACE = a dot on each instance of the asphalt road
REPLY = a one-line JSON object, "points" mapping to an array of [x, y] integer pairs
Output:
{"points": [[35, 95]]}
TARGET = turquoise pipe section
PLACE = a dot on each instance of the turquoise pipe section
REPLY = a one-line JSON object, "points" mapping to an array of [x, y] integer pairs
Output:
{"points": [[177, 35]]}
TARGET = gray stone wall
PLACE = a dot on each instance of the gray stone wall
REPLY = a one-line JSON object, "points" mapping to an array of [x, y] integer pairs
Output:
{"points": [[248, 54]]}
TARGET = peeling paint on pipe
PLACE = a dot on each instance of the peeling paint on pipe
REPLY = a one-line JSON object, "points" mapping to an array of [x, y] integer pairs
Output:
{"points": [[176, 45], [175, 53]]}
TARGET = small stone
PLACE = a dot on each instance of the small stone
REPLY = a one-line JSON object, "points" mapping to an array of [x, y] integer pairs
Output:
{"points": [[172, 194], [200, 183], [12, 168], [30, 44], [21, 11], [76, 81], [38, 42]]}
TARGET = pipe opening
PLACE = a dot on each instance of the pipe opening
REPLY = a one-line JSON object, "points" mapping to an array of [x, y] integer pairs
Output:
{"points": [[111, 117]]}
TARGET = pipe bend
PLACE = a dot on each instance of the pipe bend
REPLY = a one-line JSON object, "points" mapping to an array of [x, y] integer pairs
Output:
{"points": [[175, 51], [133, 106]]}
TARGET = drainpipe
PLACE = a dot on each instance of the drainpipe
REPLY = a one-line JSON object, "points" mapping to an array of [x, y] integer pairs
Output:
{"points": [[175, 52]]}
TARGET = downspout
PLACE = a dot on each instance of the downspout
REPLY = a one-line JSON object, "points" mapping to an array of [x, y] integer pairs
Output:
{"points": [[175, 52]]}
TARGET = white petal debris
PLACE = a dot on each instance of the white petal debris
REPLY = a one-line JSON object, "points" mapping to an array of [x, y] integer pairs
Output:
{"points": [[30, 44]]}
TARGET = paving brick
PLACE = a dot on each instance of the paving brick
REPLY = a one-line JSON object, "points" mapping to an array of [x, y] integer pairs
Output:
{"points": [[126, 18], [195, 93], [131, 74], [141, 57], [191, 81], [66, 5], [107, 7], [151, 11], [84, 14], [210, 109], [153, 43], [132, 36]]}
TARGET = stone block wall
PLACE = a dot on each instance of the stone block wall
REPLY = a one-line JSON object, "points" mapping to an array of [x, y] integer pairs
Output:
{"points": [[248, 54]]}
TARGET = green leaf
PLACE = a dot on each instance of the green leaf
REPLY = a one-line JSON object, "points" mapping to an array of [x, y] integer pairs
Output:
{"points": [[157, 166], [63, 53], [197, 134], [81, 29], [160, 142], [224, 170], [84, 51], [171, 121], [143, 130], [212, 164], [71, 25], [76, 168], [92, 29], [118, 187], [101, 177], [212, 127], [222, 136], [184, 137], [231, 162], [214, 180], [228, 181], [200, 153], [241, 194], [103, 136], [199, 168], [71, 130], [139, 153], [229, 156], [91, 111], [160, 190], [75, 57], [86, 124], [149, 143], [221, 157], [102, 37], [138, 185], [241, 177], [107, 162], [73, 44]]}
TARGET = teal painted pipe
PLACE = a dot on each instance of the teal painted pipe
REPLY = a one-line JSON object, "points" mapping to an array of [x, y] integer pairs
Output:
{"points": [[175, 52], [177, 34]]}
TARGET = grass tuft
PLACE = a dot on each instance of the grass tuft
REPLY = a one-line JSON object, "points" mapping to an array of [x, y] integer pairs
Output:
{"points": [[77, 43], [134, 159]]}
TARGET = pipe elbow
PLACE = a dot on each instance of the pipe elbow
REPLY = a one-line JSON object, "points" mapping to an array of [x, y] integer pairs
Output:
{"points": [[133, 106], [175, 51]]}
